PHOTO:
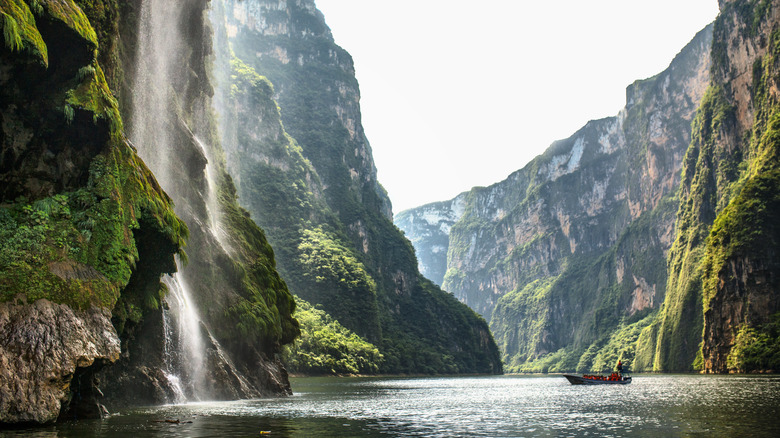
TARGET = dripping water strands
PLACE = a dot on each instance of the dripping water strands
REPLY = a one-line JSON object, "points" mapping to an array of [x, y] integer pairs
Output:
{"points": [[196, 368], [211, 197], [170, 361], [184, 352]]}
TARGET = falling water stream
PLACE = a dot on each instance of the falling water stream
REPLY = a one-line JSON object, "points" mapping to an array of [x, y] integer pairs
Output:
{"points": [[212, 200], [184, 353], [156, 127]]}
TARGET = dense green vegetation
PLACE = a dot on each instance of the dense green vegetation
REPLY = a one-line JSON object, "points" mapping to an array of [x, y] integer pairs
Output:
{"points": [[327, 347], [78, 246], [726, 237], [19, 29], [345, 288], [262, 307], [49, 244], [756, 349]]}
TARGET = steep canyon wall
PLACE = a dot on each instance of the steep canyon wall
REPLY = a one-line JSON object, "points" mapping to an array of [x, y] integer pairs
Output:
{"points": [[571, 249], [666, 254], [305, 171], [722, 307]]}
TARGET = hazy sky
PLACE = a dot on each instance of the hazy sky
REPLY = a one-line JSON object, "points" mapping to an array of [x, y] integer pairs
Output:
{"points": [[457, 94]]}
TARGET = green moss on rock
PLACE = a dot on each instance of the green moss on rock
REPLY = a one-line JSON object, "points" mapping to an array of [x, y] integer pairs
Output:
{"points": [[20, 31], [77, 247], [71, 14]]}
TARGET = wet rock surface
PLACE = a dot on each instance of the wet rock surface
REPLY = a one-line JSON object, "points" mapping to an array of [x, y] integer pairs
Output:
{"points": [[42, 345]]}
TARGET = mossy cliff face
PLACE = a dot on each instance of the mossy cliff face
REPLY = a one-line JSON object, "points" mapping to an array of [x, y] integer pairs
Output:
{"points": [[244, 306], [566, 257], [304, 170], [723, 269], [78, 210], [86, 231]]}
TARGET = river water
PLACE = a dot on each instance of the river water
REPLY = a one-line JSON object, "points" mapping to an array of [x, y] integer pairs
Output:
{"points": [[504, 406]]}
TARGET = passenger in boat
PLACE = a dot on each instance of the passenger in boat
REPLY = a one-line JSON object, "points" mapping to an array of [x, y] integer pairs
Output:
{"points": [[620, 367]]}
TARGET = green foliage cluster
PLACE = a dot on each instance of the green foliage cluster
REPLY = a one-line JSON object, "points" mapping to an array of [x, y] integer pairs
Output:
{"points": [[326, 260], [247, 84], [621, 344], [93, 95], [756, 349], [345, 287], [327, 347], [77, 247], [19, 29], [519, 322], [262, 310], [71, 14], [35, 235]]}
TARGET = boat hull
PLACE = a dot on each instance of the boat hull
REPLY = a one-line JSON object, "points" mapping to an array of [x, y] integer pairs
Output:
{"points": [[579, 380]]}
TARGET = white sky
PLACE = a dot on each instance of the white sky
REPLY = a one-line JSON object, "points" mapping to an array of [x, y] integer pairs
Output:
{"points": [[457, 94]]}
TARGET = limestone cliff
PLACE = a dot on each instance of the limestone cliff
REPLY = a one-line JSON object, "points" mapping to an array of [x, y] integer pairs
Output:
{"points": [[723, 267], [571, 249], [305, 171], [428, 228]]}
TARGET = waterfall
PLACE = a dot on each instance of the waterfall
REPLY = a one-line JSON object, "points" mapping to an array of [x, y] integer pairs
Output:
{"points": [[154, 111], [184, 354], [157, 129]]}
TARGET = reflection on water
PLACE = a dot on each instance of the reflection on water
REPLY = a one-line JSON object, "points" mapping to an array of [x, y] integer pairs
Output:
{"points": [[507, 406]]}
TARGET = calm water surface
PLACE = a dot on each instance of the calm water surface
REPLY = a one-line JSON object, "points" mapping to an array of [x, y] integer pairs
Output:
{"points": [[506, 406]]}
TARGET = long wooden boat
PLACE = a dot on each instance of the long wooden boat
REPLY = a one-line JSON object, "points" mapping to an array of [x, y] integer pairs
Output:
{"points": [[590, 379]]}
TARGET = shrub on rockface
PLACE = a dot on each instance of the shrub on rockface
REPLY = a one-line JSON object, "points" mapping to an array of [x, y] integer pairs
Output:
{"points": [[756, 349], [327, 347]]}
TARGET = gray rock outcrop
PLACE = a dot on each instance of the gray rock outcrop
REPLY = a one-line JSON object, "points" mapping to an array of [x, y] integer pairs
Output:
{"points": [[41, 347]]}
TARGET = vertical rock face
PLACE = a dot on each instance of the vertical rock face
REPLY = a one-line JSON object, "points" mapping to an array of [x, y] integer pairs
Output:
{"points": [[428, 228], [263, 31], [725, 253], [573, 246], [306, 173]]}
